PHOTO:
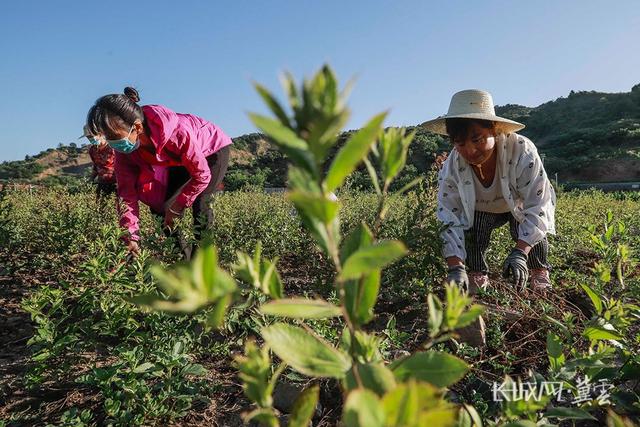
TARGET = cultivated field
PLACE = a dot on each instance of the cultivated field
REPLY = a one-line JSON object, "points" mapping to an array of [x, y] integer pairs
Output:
{"points": [[75, 351]]}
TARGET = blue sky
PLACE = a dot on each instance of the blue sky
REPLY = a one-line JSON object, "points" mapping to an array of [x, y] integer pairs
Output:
{"points": [[200, 56]]}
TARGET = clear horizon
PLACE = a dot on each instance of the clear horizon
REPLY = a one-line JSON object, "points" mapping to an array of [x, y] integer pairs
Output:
{"points": [[201, 58]]}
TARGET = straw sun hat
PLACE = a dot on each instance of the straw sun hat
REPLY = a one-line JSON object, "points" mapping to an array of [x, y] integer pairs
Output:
{"points": [[472, 104]]}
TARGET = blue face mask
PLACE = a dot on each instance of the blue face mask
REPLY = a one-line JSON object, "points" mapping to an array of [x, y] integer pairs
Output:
{"points": [[93, 140], [124, 145]]}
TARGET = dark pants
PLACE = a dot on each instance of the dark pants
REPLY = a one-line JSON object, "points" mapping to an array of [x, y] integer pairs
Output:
{"points": [[478, 237], [202, 208], [104, 190]]}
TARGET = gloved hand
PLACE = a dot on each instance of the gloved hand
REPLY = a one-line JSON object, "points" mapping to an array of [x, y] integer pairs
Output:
{"points": [[516, 266], [458, 274]]}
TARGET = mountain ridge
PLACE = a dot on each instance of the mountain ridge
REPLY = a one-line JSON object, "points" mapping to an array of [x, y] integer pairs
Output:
{"points": [[587, 136]]}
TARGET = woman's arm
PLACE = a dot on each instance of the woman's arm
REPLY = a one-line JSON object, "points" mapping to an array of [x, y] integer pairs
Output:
{"points": [[127, 178], [538, 199], [450, 212]]}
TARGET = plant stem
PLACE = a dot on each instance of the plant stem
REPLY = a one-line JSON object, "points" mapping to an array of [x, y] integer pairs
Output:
{"points": [[334, 254], [379, 215]]}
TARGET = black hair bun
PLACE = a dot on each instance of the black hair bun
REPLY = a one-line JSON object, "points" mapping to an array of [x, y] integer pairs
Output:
{"points": [[132, 94]]}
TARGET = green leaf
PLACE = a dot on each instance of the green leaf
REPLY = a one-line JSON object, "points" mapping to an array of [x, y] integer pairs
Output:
{"points": [[599, 333], [247, 268], [437, 417], [520, 423], [189, 287], [169, 282], [301, 180], [609, 233], [194, 369], [363, 346], [222, 285], [156, 302], [264, 416], [178, 348], [394, 146], [470, 416], [301, 308], [361, 296], [563, 328], [588, 363], [294, 147], [147, 366], [470, 315], [360, 237], [315, 206], [271, 280], [321, 231], [352, 153], [436, 314], [598, 243], [215, 318], [254, 368], [330, 93], [554, 350], [438, 368], [603, 271], [563, 413], [373, 175], [324, 133], [204, 268], [273, 104], [282, 135], [372, 257], [625, 251], [260, 273], [304, 407], [456, 302], [363, 409], [630, 371], [595, 298], [374, 376], [401, 405], [289, 84], [615, 420], [306, 353]]}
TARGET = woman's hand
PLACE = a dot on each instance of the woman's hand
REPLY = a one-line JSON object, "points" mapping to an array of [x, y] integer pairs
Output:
{"points": [[171, 214], [458, 275], [515, 266], [133, 248]]}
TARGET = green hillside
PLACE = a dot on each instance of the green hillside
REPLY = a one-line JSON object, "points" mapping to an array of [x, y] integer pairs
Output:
{"points": [[587, 136]]}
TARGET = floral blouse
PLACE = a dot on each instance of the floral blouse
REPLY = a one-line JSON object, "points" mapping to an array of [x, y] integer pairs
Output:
{"points": [[525, 186]]}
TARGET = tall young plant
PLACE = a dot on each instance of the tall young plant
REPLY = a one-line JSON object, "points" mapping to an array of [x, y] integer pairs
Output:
{"points": [[408, 391], [615, 255]]}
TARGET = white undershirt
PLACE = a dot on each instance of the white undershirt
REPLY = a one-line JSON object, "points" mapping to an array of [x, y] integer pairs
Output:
{"points": [[490, 199]]}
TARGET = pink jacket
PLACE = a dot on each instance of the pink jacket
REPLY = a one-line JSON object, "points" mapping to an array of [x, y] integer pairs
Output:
{"points": [[179, 140]]}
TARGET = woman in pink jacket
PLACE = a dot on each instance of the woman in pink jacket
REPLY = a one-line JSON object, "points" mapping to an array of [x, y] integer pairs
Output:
{"points": [[149, 140]]}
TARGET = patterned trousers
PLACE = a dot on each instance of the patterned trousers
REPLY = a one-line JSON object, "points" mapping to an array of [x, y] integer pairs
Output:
{"points": [[478, 238], [202, 207]]}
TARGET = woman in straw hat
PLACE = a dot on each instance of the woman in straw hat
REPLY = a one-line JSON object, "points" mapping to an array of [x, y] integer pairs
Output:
{"points": [[493, 176]]}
